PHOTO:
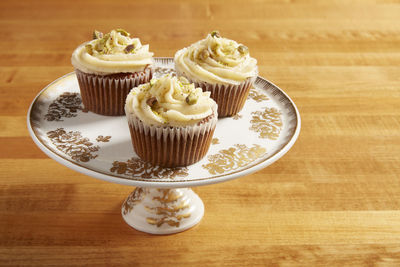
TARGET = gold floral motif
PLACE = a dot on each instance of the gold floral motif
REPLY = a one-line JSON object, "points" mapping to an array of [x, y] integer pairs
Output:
{"points": [[104, 139], [73, 144], [215, 141], [237, 117], [233, 158], [135, 198], [170, 222], [160, 71], [267, 123], [138, 168], [64, 106], [170, 204], [257, 96]]}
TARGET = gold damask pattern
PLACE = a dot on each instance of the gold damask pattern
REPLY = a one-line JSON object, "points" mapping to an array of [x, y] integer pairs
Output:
{"points": [[215, 141], [268, 123], [237, 117], [233, 158], [257, 96], [159, 71], [104, 139], [136, 167], [135, 198], [64, 106], [73, 144], [169, 208]]}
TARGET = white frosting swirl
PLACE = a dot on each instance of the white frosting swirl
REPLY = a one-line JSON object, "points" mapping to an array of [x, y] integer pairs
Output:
{"points": [[108, 55], [169, 101], [216, 60]]}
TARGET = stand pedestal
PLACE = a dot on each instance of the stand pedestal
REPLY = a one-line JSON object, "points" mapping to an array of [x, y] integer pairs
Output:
{"points": [[162, 211]]}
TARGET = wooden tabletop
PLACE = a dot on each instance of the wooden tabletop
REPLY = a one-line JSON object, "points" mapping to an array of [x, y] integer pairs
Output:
{"points": [[333, 199]]}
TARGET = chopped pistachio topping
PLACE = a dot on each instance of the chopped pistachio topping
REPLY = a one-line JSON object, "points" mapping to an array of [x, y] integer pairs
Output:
{"points": [[152, 101], [172, 99], [97, 34], [99, 46], [244, 50], [215, 34], [123, 32], [204, 54], [108, 44], [89, 49], [183, 80], [153, 81], [129, 48], [116, 41], [192, 98]]}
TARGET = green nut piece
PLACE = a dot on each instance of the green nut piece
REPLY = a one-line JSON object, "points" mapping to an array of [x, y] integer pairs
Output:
{"points": [[106, 37], [183, 80], [97, 34], [152, 82], [123, 32], [152, 101], [215, 34], [109, 44], [244, 50], [129, 48], [204, 54], [99, 46], [89, 49], [191, 99]]}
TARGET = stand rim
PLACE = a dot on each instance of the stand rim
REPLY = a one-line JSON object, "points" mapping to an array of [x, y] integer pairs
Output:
{"points": [[169, 183]]}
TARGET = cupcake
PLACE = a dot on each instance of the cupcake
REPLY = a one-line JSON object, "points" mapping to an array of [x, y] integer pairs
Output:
{"points": [[108, 67], [220, 66], [171, 122]]}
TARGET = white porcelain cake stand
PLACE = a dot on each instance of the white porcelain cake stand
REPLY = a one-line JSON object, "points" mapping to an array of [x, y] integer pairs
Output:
{"points": [[162, 203]]}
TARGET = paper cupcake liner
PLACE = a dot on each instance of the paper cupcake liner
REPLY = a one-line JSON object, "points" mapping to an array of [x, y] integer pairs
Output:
{"points": [[106, 95], [230, 98], [169, 146]]}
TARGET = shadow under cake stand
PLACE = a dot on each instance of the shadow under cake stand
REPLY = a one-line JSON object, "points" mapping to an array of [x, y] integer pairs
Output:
{"points": [[162, 202]]}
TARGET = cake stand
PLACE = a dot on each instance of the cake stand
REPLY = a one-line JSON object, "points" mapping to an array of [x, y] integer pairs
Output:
{"points": [[162, 202]]}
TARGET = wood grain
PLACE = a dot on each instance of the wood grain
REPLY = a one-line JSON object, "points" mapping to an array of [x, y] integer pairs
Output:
{"points": [[333, 200]]}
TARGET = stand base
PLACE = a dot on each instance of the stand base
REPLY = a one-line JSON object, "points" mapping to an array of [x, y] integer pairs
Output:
{"points": [[162, 211]]}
